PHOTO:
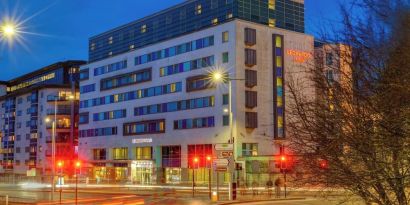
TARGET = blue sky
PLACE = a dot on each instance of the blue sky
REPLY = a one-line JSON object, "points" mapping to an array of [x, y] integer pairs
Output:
{"points": [[62, 27]]}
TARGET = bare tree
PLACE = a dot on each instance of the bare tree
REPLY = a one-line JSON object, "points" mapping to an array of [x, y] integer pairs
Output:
{"points": [[355, 133]]}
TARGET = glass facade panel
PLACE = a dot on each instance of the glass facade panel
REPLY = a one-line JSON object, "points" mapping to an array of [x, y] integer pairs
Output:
{"points": [[202, 14]]}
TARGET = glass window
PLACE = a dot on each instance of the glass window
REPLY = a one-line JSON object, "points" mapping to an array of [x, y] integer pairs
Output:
{"points": [[225, 57], [272, 22], [225, 37], [225, 120]]}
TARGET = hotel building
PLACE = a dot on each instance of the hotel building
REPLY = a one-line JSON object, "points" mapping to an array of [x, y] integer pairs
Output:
{"points": [[26, 102], [148, 106]]}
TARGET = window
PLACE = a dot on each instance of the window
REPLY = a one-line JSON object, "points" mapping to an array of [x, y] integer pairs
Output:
{"points": [[195, 83], [144, 28], [251, 120], [120, 153], [187, 66], [249, 149], [18, 150], [116, 114], [144, 127], [251, 78], [225, 99], [98, 132], [100, 154], [110, 40], [84, 74], [198, 9], [193, 123], [175, 50], [329, 59], [330, 76], [271, 4], [18, 137], [272, 23], [143, 153], [229, 15], [175, 106], [137, 94], [171, 156], [225, 120], [225, 37], [83, 118], [87, 88], [215, 21], [225, 57], [140, 76], [250, 36], [19, 100], [251, 99], [250, 57], [110, 68]]}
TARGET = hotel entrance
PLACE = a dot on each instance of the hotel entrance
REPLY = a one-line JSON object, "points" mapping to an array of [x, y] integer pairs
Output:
{"points": [[141, 171]]}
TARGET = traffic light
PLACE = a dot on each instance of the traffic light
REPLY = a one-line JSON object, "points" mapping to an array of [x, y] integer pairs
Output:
{"points": [[283, 162], [60, 164], [196, 160], [323, 164], [208, 158]]}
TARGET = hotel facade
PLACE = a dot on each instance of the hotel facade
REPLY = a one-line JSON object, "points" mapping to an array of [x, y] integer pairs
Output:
{"points": [[148, 106], [26, 101]]}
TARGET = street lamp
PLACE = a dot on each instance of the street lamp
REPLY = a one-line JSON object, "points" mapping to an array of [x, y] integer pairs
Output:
{"points": [[208, 159], [196, 160], [60, 166], [53, 142], [218, 76], [77, 166]]}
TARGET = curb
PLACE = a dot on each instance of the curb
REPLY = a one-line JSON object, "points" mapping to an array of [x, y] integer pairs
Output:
{"points": [[263, 200]]}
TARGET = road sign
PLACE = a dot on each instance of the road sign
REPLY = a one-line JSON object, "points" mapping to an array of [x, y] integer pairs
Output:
{"points": [[224, 147], [224, 154], [221, 165]]}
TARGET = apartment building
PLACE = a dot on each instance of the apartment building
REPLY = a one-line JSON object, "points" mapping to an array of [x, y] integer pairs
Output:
{"points": [[26, 102], [149, 107]]}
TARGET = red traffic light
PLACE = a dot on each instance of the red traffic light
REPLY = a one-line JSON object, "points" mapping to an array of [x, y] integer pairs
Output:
{"points": [[60, 164], [208, 158], [196, 159], [323, 164], [283, 158]]}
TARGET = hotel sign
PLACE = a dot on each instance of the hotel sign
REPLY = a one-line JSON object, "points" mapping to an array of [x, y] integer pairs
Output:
{"points": [[299, 56]]}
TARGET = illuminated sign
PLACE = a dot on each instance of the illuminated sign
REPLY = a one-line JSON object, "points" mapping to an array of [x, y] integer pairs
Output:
{"points": [[299, 56], [140, 141]]}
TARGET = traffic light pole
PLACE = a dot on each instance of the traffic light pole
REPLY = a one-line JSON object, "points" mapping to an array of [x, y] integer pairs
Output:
{"points": [[193, 182], [285, 182]]}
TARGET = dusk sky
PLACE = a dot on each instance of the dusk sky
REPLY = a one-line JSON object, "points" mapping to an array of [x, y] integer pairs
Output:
{"points": [[58, 30]]}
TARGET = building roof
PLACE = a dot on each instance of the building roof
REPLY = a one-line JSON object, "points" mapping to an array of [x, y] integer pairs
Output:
{"points": [[44, 69]]}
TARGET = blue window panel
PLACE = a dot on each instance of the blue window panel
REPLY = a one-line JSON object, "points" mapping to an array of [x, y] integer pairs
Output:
{"points": [[279, 72], [279, 111], [280, 91], [278, 51]]}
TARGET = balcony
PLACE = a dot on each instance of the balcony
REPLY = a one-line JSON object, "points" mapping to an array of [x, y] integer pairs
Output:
{"points": [[63, 98], [59, 139], [60, 111], [59, 126]]}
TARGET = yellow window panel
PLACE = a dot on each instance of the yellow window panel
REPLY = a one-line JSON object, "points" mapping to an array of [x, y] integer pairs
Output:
{"points": [[278, 42], [279, 82], [279, 101], [272, 23], [272, 4], [278, 61]]}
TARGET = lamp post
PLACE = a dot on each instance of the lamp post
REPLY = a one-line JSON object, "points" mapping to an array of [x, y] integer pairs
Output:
{"points": [[53, 142], [208, 160], [77, 166], [193, 176], [60, 166], [221, 77]]}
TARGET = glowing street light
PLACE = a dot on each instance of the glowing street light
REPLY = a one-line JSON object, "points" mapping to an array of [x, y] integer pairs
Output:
{"points": [[8, 30]]}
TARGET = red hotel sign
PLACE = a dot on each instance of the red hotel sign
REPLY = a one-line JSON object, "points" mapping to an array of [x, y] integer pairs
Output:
{"points": [[299, 56]]}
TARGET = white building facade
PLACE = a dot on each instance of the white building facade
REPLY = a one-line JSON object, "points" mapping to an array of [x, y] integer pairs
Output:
{"points": [[146, 114]]}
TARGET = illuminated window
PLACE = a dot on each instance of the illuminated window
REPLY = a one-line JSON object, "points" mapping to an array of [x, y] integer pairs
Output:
{"points": [[225, 37], [278, 61], [198, 9], [110, 40], [132, 47], [272, 4], [249, 149], [143, 153], [215, 21], [144, 28], [110, 53], [279, 101], [92, 47], [120, 153], [229, 16], [279, 82], [173, 87], [280, 121], [272, 22], [278, 42]]}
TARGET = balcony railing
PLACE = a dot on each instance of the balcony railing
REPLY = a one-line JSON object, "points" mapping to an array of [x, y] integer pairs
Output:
{"points": [[64, 111], [50, 126], [59, 139]]}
